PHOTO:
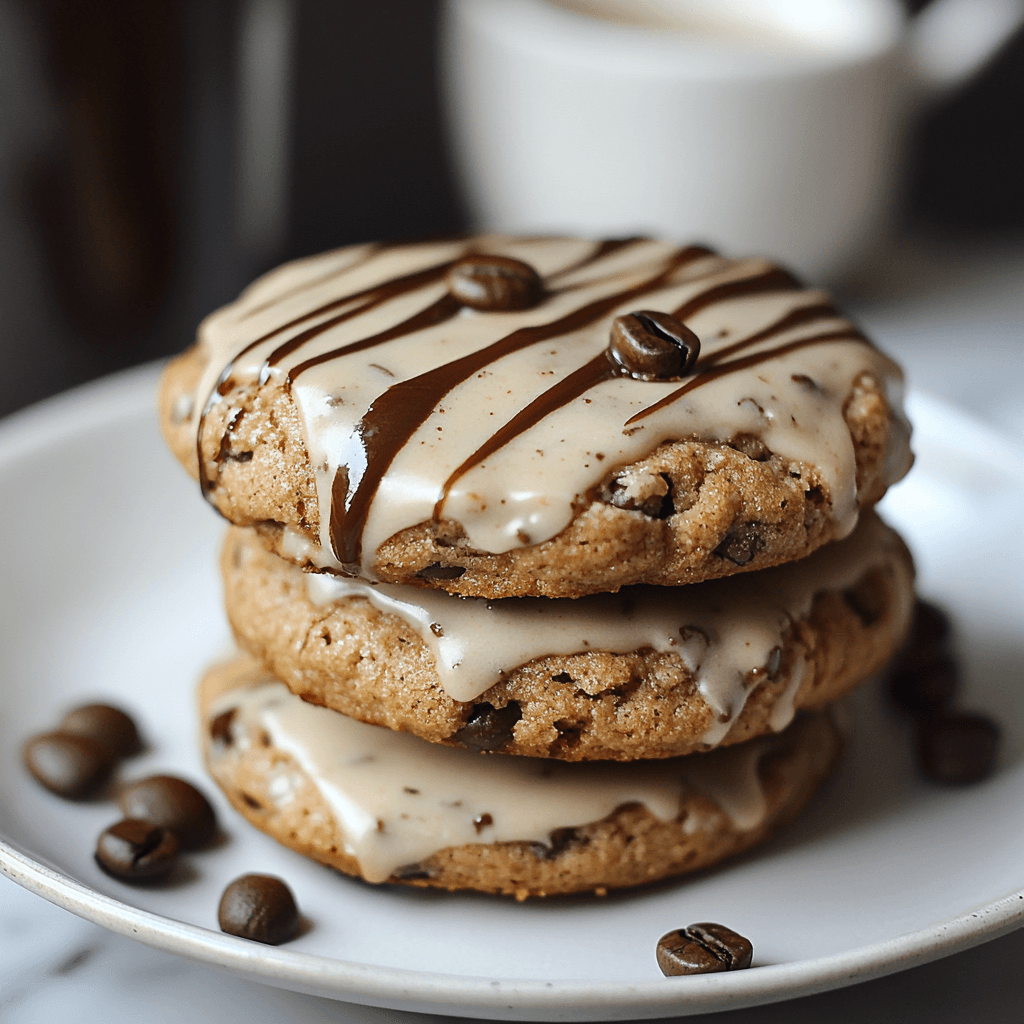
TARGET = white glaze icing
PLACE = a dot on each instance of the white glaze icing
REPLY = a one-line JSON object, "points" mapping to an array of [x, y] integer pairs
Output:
{"points": [[397, 799], [526, 492], [721, 629]]}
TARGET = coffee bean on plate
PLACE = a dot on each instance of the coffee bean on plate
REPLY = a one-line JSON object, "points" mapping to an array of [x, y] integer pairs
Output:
{"points": [[650, 345], [494, 284], [105, 724], [75, 767], [930, 634], [957, 748], [925, 686], [259, 907], [704, 948], [175, 804], [137, 851]]}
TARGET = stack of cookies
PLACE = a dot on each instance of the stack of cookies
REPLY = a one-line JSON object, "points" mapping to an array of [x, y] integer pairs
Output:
{"points": [[547, 557]]}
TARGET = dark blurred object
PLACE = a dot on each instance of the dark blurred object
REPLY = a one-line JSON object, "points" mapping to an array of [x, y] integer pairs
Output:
{"points": [[155, 155], [106, 206], [368, 152], [967, 157], [126, 213]]}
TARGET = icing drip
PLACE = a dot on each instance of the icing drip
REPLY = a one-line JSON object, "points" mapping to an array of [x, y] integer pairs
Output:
{"points": [[723, 630], [417, 408], [397, 799]]}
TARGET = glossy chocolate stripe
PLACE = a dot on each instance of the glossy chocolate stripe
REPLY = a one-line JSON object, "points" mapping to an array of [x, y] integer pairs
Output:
{"points": [[398, 413], [445, 308], [577, 383], [373, 250], [734, 365], [773, 280], [596, 372], [436, 313], [602, 249], [794, 318], [375, 296]]}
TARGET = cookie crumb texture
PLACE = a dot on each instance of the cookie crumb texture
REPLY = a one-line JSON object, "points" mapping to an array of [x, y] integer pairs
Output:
{"points": [[374, 667], [707, 499], [630, 847]]}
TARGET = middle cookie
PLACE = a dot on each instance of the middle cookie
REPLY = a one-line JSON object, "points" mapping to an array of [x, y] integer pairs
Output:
{"points": [[649, 672]]}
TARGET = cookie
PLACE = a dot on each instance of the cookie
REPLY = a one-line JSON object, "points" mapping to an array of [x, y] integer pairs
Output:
{"points": [[649, 672], [388, 807], [591, 416]]}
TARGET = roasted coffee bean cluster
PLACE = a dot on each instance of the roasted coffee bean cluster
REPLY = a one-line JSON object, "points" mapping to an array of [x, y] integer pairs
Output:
{"points": [[954, 747], [163, 815], [174, 804], [704, 948], [76, 760]]}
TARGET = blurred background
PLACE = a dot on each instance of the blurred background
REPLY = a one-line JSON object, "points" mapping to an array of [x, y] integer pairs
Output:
{"points": [[155, 155]]}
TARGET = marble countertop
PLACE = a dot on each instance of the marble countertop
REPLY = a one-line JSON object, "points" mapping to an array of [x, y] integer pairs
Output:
{"points": [[952, 315]]}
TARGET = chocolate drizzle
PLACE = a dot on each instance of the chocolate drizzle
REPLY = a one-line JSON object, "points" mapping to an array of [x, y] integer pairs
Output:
{"points": [[601, 368], [397, 414], [578, 383], [773, 280], [371, 251], [375, 296], [743, 363], [436, 313]]}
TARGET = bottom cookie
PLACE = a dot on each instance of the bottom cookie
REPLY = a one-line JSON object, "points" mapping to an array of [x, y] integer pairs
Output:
{"points": [[390, 807]]}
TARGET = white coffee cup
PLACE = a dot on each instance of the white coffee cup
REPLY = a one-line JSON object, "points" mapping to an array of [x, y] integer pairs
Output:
{"points": [[759, 126]]}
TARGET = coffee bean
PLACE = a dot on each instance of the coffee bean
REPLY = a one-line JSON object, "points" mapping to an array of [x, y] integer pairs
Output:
{"points": [[956, 748], [653, 346], [930, 633], [703, 949], [259, 907], [925, 686], [173, 803], [488, 727], [105, 724], [495, 283], [71, 766], [137, 851]]}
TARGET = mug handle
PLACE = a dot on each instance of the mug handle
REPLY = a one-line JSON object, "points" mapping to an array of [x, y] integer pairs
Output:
{"points": [[952, 40]]}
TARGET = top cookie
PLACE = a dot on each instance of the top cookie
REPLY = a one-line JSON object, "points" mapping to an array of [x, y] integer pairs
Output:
{"points": [[501, 416]]}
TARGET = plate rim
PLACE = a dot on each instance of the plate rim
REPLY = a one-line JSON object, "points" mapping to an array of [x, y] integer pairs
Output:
{"points": [[429, 992]]}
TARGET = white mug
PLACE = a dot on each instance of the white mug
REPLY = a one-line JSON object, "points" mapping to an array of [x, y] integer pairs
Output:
{"points": [[758, 126]]}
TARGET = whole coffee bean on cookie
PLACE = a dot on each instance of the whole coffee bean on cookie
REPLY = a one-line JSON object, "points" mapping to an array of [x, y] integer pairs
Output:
{"points": [[74, 767], [653, 346], [137, 851], [494, 283], [449, 415], [106, 724], [173, 803], [703, 949], [261, 908]]}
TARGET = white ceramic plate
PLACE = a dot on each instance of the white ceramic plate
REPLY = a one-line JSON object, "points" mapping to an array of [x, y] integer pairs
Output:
{"points": [[107, 589]]}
